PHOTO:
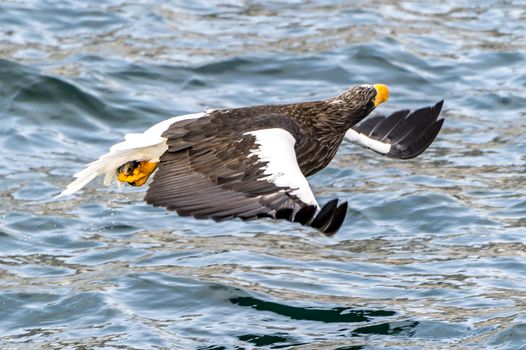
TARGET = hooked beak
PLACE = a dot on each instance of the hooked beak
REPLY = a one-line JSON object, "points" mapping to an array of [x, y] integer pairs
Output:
{"points": [[382, 94]]}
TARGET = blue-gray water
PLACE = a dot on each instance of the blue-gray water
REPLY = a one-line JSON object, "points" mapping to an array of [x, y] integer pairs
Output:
{"points": [[431, 255]]}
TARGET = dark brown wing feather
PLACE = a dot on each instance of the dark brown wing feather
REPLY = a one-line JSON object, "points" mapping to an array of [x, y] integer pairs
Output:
{"points": [[409, 134], [209, 176]]}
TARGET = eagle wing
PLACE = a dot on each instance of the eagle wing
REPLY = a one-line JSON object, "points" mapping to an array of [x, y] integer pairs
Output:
{"points": [[401, 135], [245, 175]]}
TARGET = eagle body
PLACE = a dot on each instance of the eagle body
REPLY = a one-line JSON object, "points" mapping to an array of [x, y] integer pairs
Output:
{"points": [[252, 162]]}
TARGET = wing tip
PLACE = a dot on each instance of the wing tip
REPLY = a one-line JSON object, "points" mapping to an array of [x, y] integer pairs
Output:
{"points": [[305, 214], [330, 218], [337, 220], [438, 106], [411, 150], [422, 133]]}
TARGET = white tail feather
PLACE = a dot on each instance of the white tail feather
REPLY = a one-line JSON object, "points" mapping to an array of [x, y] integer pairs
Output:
{"points": [[149, 146], [109, 163]]}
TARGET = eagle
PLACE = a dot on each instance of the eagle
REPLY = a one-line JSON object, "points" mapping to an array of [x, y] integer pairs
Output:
{"points": [[253, 162]]}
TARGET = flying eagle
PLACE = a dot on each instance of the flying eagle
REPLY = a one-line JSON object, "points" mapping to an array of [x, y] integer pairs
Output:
{"points": [[252, 162]]}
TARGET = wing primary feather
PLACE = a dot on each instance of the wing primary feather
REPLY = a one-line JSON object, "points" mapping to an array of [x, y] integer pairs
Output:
{"points": [[414, 149], [324, 216], [337, 220], [416, 123], [424, 128], [368, 124], [386, 126], [285, 213], [305, 214], [401, 135]]}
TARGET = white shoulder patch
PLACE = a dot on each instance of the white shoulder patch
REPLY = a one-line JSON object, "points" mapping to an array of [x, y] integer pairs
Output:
{"points": [[365, 141], [276, 147]]}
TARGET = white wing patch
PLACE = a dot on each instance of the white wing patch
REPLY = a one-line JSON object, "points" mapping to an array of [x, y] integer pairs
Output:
{"points": [[365, 141], [276, 147], [146, 146]]}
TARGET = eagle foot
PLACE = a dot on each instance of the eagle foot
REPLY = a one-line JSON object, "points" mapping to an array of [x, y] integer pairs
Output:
{"points": [[136, 173]]}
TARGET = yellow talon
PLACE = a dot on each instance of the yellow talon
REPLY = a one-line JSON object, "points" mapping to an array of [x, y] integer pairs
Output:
{"points": [[136, 173]]}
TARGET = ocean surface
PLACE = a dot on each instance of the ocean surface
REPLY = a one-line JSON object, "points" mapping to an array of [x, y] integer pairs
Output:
{"points": [[432, 254]]}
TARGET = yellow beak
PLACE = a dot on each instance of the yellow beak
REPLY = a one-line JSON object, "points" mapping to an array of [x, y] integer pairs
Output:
{"points": [[382, 94]]}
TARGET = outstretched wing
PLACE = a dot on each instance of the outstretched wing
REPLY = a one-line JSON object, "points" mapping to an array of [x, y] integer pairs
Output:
{"points": [[246, 176], [401, 135]]}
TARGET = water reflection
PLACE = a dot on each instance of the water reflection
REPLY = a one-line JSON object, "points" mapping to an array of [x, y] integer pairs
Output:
{"points": [[337, 314], [403, 328]]}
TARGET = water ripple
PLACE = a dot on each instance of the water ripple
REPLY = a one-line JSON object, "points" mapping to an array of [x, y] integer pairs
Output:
{"points": [[431, 254]]}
